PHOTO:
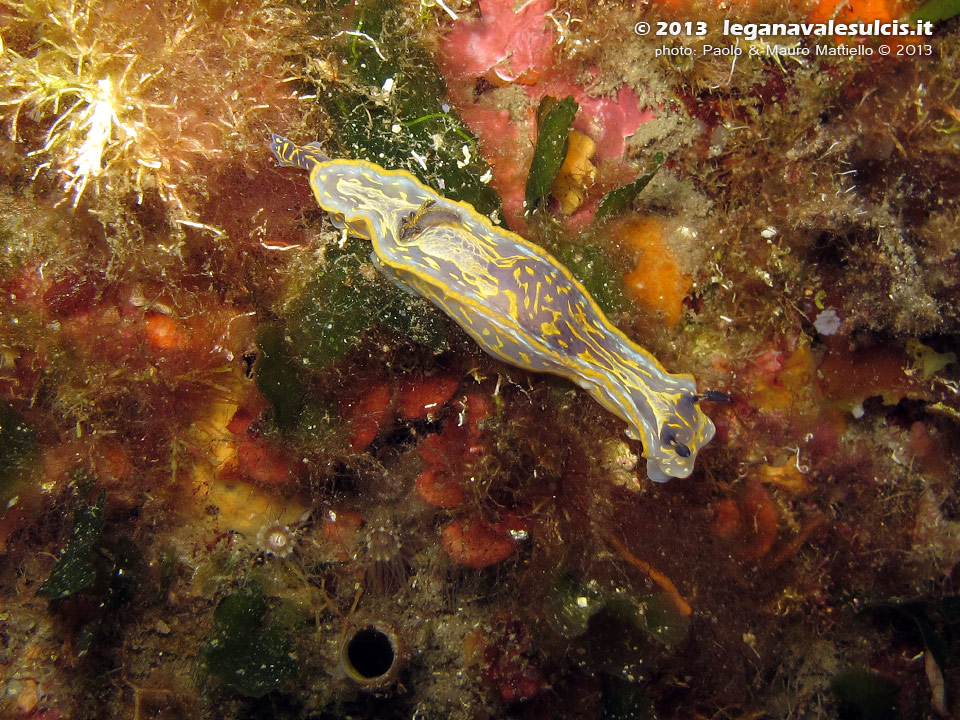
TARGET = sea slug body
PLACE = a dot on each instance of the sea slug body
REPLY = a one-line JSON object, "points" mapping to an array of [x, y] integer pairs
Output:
{"points": [[517, 301]]}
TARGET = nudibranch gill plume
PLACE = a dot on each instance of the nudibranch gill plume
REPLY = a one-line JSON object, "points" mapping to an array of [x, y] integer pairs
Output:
{"points": [[516, 300]]}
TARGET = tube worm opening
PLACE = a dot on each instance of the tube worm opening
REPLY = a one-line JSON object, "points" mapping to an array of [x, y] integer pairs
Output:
{"points": [[370, 655]]}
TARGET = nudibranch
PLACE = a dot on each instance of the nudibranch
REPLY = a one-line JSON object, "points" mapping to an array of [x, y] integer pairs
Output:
{"points": [[517, 301]]}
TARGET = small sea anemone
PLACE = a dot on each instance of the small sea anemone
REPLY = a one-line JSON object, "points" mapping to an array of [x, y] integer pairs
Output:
{"points": [[276, 540], [386, 556]]}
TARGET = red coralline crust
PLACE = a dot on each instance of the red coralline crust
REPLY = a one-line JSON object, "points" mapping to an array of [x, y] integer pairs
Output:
{"points": [[508, 147], [506, 47]]}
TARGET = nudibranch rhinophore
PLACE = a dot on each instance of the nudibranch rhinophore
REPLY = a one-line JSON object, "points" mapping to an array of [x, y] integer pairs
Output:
{"points": [[517, 301]]}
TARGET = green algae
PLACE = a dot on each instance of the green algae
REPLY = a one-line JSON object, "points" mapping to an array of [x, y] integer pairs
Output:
{"points": [[126, 574], [388, 106], [866, 694], [936, 10], [337, 307], [554, 120], [75, 570], [249, 655], [111, 572], [616, 201], [575, 604], [599, 274], [587, 260], [624, 700], [278, 375], [17, 445]]}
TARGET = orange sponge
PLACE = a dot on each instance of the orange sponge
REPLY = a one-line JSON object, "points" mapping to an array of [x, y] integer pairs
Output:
{"points": [[657, 281]]}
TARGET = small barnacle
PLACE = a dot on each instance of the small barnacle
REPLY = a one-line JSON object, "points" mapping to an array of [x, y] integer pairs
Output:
{"points": [[276, 540]]}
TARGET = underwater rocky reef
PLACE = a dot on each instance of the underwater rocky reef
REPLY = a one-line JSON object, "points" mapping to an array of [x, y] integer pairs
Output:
{"points": [[249, 471]]}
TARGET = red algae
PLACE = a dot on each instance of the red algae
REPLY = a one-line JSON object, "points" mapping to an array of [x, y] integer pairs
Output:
{"points": [[509, 667], [849, 377], [164, 332], [367, 414], [477, 543], [264, 463], [749, 521], [341, 530], [437, 488], [418, 398]]}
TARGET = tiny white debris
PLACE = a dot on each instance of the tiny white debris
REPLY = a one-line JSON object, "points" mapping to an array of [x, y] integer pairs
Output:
{"points": [[518, 534], [487, 176], [280, 248], [421, 159], [387, 85], [448, 11], [582, 602], [769, 232], [395, 128], [199, 226], [857, 411], [466, 157], [357, 33]]}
